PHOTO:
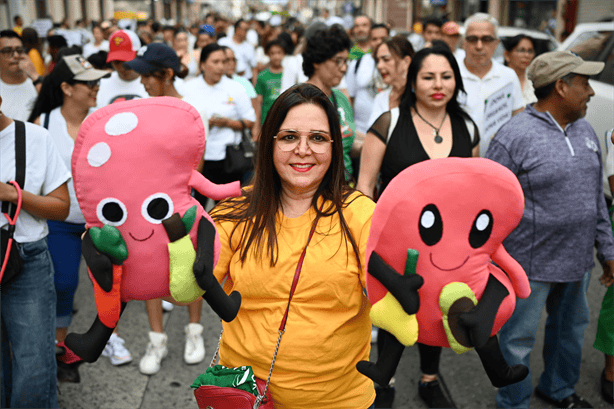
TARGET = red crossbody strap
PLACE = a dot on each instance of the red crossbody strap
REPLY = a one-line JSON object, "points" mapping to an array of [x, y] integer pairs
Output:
{"points": [[297, 273]]}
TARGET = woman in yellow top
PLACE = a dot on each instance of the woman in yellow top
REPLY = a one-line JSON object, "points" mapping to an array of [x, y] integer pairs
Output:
{"points": [[31, 44], [299, 182]]}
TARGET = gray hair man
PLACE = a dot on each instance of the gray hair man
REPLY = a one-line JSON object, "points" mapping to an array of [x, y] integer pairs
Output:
{"points": [[493, 93], [557, 158]]}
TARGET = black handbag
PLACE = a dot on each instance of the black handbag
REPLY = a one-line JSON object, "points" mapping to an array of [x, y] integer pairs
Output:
{"points": [[12, 263], [241, 154]]}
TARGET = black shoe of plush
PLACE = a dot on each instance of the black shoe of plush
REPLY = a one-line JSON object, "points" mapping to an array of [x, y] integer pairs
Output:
{"points": [[607, 389], [68, 372], [384, 396], [433, 395]]}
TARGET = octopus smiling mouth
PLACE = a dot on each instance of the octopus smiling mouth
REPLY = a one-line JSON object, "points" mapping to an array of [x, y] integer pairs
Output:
{"points": [[447, 269], [146, 238]]}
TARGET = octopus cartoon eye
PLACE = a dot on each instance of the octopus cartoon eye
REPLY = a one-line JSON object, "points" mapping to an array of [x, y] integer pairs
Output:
{"points": [[157, 207], [111, 211], [481, 229], [431, 226]]}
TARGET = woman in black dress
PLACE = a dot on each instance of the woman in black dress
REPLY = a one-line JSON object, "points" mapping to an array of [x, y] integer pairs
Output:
{"points": [[428, 124]]}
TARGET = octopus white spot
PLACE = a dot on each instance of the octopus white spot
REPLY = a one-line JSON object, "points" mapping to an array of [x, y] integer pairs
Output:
{"points": [[99, 154], [121, 124]]}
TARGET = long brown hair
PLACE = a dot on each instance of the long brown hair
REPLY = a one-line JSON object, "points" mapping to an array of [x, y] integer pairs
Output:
{"points": [[257, 209]]}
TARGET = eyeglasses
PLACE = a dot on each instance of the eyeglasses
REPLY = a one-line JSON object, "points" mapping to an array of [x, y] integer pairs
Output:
{"points": [[289, 139], [9, 51], [524, 51], [90, 84], [340, 61], [484, 40]]}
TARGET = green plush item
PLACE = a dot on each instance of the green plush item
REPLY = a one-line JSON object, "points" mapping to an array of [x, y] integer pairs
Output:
{"points": [[240, 378], [188, 218], [412, 262], [109, 240]]}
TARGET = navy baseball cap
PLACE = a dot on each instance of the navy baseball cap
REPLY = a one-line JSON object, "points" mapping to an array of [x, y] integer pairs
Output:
{"points": [[154, 57]]}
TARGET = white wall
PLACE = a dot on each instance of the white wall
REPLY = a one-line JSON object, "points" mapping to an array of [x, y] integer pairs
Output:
{"points": [[590, 11]]}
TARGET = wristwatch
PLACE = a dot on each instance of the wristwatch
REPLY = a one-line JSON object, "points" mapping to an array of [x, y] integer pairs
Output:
{"points": [[39, 80]]}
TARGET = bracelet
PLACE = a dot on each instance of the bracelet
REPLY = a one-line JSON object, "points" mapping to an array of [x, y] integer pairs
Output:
{"points": [[39, 80]]}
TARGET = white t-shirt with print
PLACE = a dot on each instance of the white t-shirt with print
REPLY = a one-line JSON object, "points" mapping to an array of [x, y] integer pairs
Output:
{"points": [[45, 172], [199, 103], [114, 89], [18, 99], [228, 99], [479, 89]]}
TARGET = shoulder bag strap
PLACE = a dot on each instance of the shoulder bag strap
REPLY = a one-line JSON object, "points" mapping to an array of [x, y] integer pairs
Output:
{"points": [[20, 164], [46, 123]]}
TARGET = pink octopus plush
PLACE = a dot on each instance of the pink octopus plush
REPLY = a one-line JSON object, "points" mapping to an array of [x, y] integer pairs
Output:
{"points": [[454, 213], [134, 166]]}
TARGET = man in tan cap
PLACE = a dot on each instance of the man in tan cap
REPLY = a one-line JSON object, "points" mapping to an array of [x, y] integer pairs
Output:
{"points": [[557, 158]]}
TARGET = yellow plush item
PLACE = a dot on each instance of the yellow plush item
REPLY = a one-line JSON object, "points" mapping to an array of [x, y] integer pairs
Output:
{"points": [[182, 284], [449, 294], [388, 314]]}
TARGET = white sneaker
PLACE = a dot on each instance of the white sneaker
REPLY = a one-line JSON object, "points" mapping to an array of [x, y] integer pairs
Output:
{"points": [[167, 306], [116, 350], [194, 344], [156, 351]]}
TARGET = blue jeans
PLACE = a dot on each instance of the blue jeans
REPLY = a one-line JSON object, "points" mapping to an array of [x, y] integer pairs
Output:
{"points": [[567, 308], [28, 331], [64, 242]]}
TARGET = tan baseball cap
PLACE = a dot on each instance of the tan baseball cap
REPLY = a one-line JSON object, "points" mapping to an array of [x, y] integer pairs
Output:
{"points": [[549, 67], [81, 70]]}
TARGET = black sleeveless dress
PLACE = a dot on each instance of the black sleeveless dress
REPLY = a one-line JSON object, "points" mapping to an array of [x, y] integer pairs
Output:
{"points": [[404, 148]]}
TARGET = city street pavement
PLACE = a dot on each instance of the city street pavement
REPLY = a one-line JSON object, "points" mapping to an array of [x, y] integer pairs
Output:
{"points": [[106, 386]]}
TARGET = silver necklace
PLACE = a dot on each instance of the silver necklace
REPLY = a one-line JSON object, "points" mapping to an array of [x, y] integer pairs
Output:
{"points": [[438, 138]]}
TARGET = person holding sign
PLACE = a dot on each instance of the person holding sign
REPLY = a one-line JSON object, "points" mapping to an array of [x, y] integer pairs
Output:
{"points": [[493, 93], [557, 158]]}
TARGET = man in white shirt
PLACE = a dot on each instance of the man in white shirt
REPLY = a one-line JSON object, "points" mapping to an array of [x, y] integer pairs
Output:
{"points": [[364, 81], [124, 84], [360, 32], [493, 93], [244, 51], [16, 87]]}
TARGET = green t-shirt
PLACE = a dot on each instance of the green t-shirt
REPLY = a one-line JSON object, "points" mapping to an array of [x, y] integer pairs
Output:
{"points": [[348, 128], [269, 86], [356, 52]]}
